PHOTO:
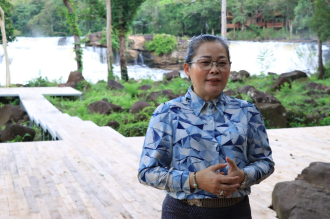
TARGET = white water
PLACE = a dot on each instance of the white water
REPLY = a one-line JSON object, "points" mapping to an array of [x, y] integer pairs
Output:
{"points": [[30, 57]]}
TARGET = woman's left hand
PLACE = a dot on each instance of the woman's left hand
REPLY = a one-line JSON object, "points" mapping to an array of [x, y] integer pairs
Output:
{"points": [[235, 171]]}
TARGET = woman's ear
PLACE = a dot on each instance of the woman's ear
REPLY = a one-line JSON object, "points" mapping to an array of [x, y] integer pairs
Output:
{"points": [[186, 68]]}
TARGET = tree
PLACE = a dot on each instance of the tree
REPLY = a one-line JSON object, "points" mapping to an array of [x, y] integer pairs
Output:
{"points": [[123, 13], [4, 41], [320, 24], [109, 46], [73, 22], [7, 9]]}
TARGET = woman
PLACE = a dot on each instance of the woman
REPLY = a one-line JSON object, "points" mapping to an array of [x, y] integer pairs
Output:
{"points": [[206, 149]]}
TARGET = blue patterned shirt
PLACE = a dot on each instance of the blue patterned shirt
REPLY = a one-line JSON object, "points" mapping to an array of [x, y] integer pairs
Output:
{"points": [[188, 134]]}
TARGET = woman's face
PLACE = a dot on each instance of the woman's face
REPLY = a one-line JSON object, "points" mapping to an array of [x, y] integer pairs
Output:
{"points": [[208, 84]]}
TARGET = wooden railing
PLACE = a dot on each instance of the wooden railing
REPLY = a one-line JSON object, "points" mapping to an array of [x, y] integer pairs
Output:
{"points": [[271, 24], [232, 25]]}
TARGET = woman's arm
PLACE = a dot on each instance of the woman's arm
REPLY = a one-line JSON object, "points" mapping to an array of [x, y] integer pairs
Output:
{"points": [[259, 152], [156, 157]]}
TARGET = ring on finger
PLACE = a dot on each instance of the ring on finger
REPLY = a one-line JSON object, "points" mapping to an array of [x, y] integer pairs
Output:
{"points": [[222, 193]]}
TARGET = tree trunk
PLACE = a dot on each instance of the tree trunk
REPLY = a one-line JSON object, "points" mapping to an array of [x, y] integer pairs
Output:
{"points": [[320, 72], [223, 19], [76, 37], [4, 44], [109, 45], [213, 31], [122, 51], [291, 26]]}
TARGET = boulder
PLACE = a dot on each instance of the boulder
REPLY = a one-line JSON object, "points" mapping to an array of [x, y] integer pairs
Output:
{"points": [[167, 93], [244, 89], [280, 83], [113, 124], [235, 76], [74, 78], [306, 197], [131, 55], [244, 73], [293, 75], [114, 85], [261, 97], [139, 106], [319, 87], [311, 101], [229, 92], [157, 83], [137, 42], [144, 87], [274, 114], [9, 114], [104, 107], [13, 130], [94, 40], [61, 41], [172, 74]]}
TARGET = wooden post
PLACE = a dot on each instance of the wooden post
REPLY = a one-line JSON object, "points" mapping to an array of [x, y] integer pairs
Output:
{"points": [[223, 19], [4, 45], [109, 43]]}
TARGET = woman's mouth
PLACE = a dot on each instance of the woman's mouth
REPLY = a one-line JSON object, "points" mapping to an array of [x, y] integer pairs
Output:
{"points": [[214, 81]]}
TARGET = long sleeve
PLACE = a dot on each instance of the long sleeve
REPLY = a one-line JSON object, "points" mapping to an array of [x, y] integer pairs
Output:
{"points": [[156, 155], [259, 152]]}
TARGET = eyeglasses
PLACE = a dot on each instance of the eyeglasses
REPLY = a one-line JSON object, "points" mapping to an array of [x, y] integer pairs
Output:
{"points": [[206, 64]]}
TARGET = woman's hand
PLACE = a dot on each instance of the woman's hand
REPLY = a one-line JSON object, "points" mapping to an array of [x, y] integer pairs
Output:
{"points": [[235, 171], [211, 181]]}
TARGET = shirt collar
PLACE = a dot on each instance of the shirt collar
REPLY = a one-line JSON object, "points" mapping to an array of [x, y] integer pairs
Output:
{"points": [[197, 103]]}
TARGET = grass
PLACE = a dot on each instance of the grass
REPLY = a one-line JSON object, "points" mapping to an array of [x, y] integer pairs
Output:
{"points": [[292, 99]]}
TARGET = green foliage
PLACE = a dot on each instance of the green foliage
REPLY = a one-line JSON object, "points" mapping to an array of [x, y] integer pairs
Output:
{"points": [[7, 8], [114, 39], [319, 23], [162, 44], [19, 138]]}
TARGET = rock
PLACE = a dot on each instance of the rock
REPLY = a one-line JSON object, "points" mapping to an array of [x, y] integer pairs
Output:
{"points": [[280, 83], [137, 42], [9, 114], [167, 93], [305, 197], [13, 130], [271, 73], [94, 39], [139, 106], [131, 55], [157, 83], [311, 101], [71, 84], [274, 114], [104, 107], [144, 87], [113, 124], [293, 75], [235, 76], [261, 97], [244, 89], [74, 78], [114, 85], [19, 85], [61, 41], [244, 73], [153, 96], [101, 81], [229, 92], [319, 87], [173, 74], [239, 97]]}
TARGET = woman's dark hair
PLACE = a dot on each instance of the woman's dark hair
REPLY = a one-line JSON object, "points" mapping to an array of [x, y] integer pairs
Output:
{"points": [[199, 40]]}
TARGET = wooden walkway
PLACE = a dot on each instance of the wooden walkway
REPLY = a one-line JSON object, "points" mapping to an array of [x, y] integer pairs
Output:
{"points": [[92, 171]]}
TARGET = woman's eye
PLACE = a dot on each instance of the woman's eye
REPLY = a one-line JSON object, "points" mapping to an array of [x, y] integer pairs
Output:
{"points": [[223, 63], [205, 62]]}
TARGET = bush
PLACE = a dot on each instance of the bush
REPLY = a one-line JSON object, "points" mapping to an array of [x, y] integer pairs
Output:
{"points": [[162, 44]]}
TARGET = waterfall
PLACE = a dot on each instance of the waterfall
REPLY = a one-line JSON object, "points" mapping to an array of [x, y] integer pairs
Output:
{"points": [[29, 56], [140, 59]]}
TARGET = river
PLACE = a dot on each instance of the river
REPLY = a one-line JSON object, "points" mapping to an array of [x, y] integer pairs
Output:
{"points": [[31, 57]]}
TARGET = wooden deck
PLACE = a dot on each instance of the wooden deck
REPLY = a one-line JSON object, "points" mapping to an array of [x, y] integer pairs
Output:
{"points": [[92, 171]]}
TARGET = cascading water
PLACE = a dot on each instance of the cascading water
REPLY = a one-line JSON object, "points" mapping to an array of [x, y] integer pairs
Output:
{"points": [[30, 57]]}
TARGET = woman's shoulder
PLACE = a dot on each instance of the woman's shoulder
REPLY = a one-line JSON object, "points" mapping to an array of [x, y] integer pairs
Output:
{"points": [[232, 101], [172, 105]]}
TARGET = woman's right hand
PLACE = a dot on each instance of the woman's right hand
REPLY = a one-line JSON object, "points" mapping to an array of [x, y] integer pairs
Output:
{"points": [[211, 181]]}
